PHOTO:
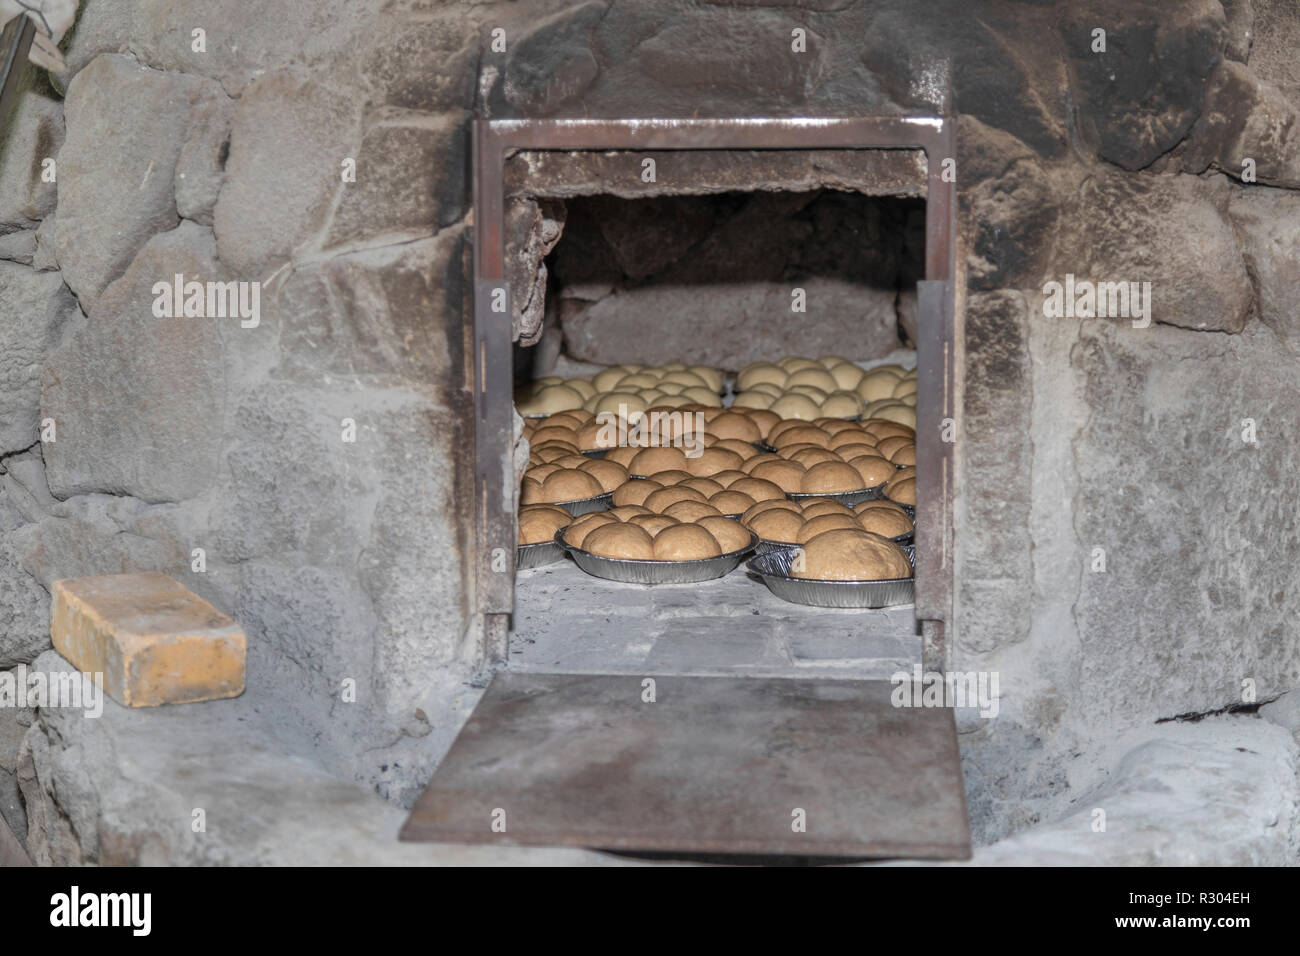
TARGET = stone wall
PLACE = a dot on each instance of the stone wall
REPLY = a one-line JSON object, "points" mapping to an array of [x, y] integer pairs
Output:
{"points": [[344, 559]]}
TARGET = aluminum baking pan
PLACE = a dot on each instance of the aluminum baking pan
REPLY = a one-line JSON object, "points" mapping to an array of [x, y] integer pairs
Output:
{"points": [[849, 498], [537, 555], [773, 569], [584, 506], [767, 547], [634, 571]]}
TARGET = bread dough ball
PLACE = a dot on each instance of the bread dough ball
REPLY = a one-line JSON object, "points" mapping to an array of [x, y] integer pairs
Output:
{"points": [[763, 418], [731, 535], [556, 398], [712, 377], [620, 540], [728, 477], [688, 380], [634, 491], [842, 405], [831, 477], [751, 399], [878, 504], [815, 526], [623, 455], [752, 463], [814, 456], [576, 533], [847, 376], [539, 473], [628, 512], [658, 501], [887, 524], [636, 382], [905, 457], [758, 489], [606, 380], [732, 502], [816, 507], [816, 394], [879, 429], [800, 435], [627, 405], [653, 523], [610, 474], [538, 523], [735, 425], [898, 412], [817, 377], [873, 470], [887, 446], [905, 387], [786, 475], [685, 542], [691, 510], [847, 554], [703, 395], [777, 525], [648, 461], [670, 477], [876, 384], [797, 406], [595, 435], [793, 363], [713, 460], [757, 372], [705, 486], [904, 492], [530, 491], [569, 484], [759, 507]]}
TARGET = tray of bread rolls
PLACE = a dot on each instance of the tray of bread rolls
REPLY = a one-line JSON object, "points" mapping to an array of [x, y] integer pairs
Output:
{"points": [[792, 574], [649, 571]]}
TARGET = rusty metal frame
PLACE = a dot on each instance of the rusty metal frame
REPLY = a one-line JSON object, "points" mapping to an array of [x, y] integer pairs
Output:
{"points": [[495, 140], [15, 42]]}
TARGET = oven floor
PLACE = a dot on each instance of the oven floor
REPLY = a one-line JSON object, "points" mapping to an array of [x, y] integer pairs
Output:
{"points": [[567, 621]]}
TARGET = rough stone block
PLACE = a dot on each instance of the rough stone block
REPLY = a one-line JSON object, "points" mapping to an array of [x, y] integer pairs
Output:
{"points": [[32, 134], [155, 641], [1246, 119], [36, 309], [1266, 222]]}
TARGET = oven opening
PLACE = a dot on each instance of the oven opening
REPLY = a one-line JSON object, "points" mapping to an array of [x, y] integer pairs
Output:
{"points": [[740, 363]]}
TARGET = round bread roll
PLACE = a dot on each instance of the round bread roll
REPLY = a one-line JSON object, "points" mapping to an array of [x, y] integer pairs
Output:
{"points": [[801, 435], [905, 457], [887, 524], [671, 388], [539, 472], [538, 523], [794, 405], [887, 446], [606, 380], [873, 470], [576, 533], [746, 450], [671, 477], [658, 501], [552, 451], [816, 507], [725, 478], [691, 510], [847, 375], [685, 379], [594, 435], [634, 491], [847, 554], [752, 463], [581, 414], [786, 475], [792, 363], [712, 377], [685, 542], [619, 540], [842, 405], [571, 419], [636, 382], [831, 477], [556, 398], [710, 461], [763, 418], [671, 401], [780, 426], [648, 461], [627, 512], [777, 525], [705, 486], [653, 523], [849, 452], [817, 377], [758, 489], [811, 391], [703, 396], [730, 535], [732, 502], [878, 504], [758, 507], [900, 474], [626, 405], [898, 412], [623, 455], [530, 491], [757, 372], [814, 456], [834, 426], [879, 428], [751, 399], [574, 460], [569, 484], [876, 384], [905, 387], [904, 492], [735, 425], [815, 526], [610, 474], [772, 391], [555, 433], [583, 388]]}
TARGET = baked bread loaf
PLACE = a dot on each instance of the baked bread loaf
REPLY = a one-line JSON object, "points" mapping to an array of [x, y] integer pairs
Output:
{"points": [[538, 523], [847, 554], [621, 540], [685, 542]]}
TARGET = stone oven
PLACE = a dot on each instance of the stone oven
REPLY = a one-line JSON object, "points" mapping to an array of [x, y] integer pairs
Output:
{"points": [[1110, 531]]}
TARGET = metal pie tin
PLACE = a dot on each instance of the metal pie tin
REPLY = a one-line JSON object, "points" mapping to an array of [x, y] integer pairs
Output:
{"points": [[773, 569], [767, 547], [849, 498], [636, 571], [596, 452], [584, 506], [528, 556]]}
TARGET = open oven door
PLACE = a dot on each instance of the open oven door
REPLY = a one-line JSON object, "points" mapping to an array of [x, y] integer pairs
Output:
{"points": [[702, 766]]}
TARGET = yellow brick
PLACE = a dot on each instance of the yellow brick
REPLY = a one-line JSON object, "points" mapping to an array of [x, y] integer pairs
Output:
{"points": [[154, 640]]}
